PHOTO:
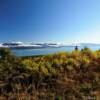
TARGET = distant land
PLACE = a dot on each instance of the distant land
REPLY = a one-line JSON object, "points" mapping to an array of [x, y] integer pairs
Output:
{"points": [[19, 45]]}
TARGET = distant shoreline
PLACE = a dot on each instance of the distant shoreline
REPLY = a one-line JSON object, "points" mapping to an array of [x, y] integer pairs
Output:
{"points": [[35, 47]]}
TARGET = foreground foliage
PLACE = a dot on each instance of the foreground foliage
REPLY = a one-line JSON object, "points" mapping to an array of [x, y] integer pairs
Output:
{"points": [[62, 76]]}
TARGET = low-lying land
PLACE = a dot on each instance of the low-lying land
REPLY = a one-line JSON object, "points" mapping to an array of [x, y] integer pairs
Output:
{"points": [[62, 76]]}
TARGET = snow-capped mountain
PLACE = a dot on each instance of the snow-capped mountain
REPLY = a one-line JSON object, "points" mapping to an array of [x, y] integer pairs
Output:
{"points": [[42, 45]]}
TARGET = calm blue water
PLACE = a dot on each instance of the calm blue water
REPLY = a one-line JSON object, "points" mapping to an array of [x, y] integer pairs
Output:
{"points": [[44, 51]]}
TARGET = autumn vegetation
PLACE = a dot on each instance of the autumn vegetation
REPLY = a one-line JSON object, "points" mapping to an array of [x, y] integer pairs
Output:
{"points": [[61, 76]]}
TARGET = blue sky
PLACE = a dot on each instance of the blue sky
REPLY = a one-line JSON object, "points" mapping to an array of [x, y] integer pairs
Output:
{"points": [[65, 21]]}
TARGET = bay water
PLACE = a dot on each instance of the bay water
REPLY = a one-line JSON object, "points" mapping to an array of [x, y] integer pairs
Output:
{"points": [[45, 51]]}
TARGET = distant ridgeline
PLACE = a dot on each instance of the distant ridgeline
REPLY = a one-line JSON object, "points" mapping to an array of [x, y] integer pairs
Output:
{"points": [[31, 45], [43, 45]]}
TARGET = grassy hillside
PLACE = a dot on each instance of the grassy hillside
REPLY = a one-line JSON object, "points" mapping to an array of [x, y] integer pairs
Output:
{"points": [[62, 76]]}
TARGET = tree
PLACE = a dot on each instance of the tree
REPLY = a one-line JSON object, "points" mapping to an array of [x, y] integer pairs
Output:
{"points": [[5, 53], [76, 47]]}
